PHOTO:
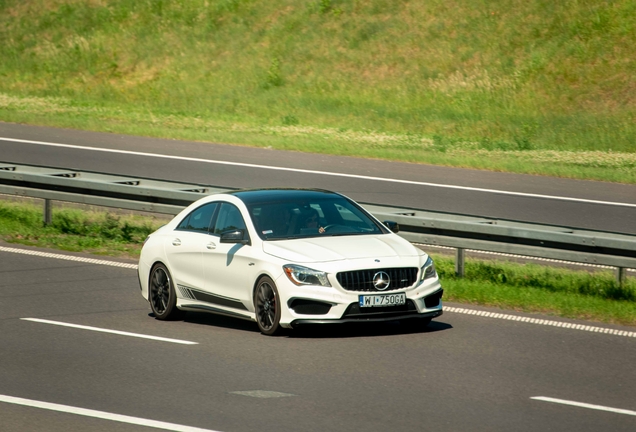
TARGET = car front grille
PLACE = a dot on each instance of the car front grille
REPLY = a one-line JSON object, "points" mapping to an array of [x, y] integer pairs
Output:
{"points": [[362, 280]]}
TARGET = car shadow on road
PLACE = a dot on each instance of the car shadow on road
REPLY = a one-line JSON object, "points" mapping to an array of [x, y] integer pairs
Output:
{"points": [[204, 318], [352, 330], [327, 331]]}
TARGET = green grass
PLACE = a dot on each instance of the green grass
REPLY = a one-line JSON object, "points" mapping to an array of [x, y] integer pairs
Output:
{"points": [[510, 297], [524, 86], [75, 230], [531, 288]]}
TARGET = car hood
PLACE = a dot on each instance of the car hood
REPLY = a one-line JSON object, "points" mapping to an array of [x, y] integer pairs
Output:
{"points": [[325, 249]]}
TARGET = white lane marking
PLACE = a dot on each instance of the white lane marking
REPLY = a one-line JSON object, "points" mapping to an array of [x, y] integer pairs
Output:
{"points": [[585, 405], [545, 322], [68, 257], [446, 308], [117, 332], [263, 394], [101, 415], [325, 173]]}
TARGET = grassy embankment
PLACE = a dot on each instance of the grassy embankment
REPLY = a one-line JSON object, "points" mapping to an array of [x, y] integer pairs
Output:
{"points": [[529, 288], [524, 86], [76, 230]]}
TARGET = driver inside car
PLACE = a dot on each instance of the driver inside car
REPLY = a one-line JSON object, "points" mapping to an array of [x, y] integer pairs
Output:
{"points": [[312, 222]]}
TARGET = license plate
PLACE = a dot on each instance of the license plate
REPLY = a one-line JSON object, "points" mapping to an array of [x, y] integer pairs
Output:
{"points": [[382, 300]]}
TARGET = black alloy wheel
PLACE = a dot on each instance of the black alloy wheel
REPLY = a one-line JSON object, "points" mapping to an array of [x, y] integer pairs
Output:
{"points": [[161, 293], [267, 306]]}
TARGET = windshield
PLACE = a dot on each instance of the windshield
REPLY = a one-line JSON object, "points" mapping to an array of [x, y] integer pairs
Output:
{"points": [[318, 217]]}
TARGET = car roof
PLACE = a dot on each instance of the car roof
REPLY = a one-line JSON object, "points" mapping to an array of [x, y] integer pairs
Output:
{"points": [[259, 196]]}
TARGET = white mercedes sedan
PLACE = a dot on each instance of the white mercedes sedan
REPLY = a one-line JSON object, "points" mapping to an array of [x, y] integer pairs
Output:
{"points": [[284, 258]]}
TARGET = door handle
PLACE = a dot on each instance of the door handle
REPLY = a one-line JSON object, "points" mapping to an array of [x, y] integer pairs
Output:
{"points": [[176, 242], [211, 245]]}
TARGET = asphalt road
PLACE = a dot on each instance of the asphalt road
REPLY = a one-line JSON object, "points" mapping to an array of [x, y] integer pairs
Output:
{"points": [[570, 203], [465, 373]]}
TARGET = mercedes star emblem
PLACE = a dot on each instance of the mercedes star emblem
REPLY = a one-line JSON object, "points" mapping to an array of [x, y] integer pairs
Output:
{"points": [[381, 281]]}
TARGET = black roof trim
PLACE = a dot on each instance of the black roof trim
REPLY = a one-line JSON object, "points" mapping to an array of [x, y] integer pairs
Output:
{"points": [[252, 196]]}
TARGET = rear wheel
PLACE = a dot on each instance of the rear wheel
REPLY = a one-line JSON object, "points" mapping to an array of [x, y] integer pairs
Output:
{"points": [[267, 306], [162, 296]]}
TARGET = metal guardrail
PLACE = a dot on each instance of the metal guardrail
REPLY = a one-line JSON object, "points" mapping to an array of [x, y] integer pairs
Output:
{"points": [[418, 226], [516, 238]]}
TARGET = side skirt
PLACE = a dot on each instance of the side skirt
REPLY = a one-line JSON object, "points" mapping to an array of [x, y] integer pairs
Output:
{"points": [[206, 297], [200, 307]]}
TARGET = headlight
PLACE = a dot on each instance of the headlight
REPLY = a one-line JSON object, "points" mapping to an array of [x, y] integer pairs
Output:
{"points": [[428, 270], [305, 276]]}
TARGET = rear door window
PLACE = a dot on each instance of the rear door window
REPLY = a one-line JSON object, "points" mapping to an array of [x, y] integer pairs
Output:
{"points": [[199, 219]]}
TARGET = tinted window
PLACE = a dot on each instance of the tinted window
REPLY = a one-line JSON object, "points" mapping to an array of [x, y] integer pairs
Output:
{"points": [[347, 215], [229, 219], [315, 216], [199, 219]]}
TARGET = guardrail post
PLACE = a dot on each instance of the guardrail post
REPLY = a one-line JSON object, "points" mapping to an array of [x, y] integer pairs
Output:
{"points": [[459, 262], [48, 214], [621, 276]]}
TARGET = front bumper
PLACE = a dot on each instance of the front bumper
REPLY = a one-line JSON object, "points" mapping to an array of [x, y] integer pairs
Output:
{"points": [[368, 317], [323, 305]]}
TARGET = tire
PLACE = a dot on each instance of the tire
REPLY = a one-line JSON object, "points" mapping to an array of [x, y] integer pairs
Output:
{"points": [[267, 306], [161, 294]]}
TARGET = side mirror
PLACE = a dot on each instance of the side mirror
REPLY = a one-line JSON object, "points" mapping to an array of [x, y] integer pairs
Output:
{"points": [[393, 226], [235, 236]]}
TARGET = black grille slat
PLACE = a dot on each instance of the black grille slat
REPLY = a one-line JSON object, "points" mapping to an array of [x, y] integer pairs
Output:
{"points": [[362, 280]]}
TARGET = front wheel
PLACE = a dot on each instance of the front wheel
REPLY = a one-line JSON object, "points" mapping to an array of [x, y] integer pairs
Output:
{"points": [[267, 306], [162, 296]]}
